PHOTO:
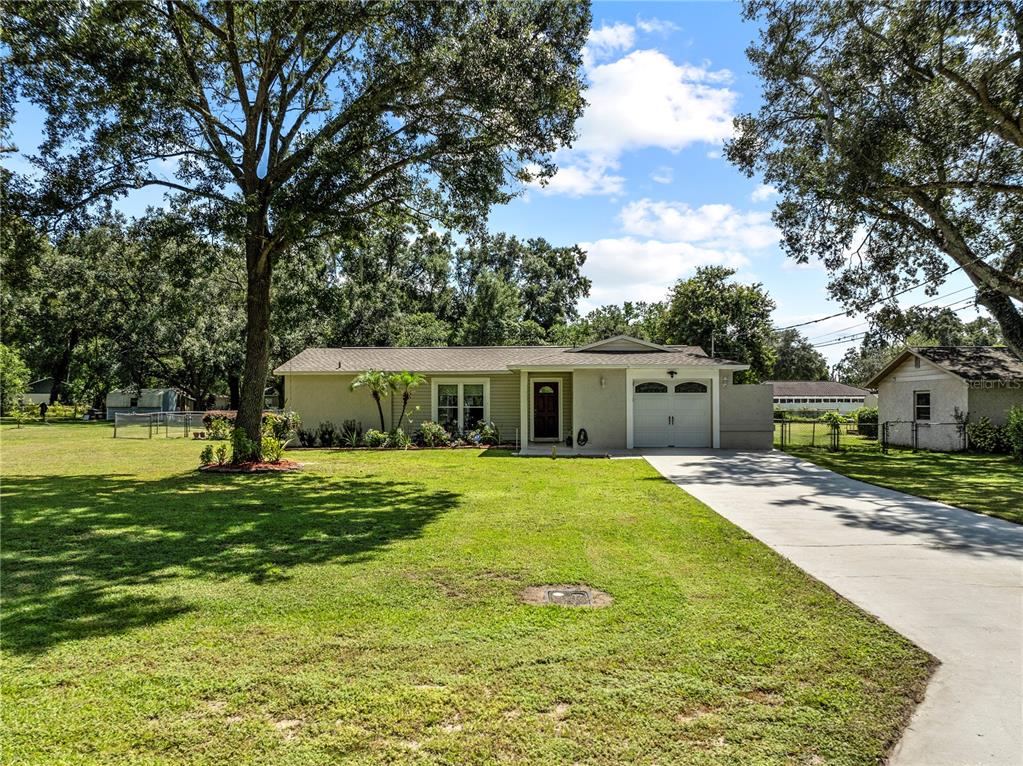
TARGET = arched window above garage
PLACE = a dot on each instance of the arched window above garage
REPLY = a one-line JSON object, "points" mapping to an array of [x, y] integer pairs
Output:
{"points": [[690, 387], [651, 388]]}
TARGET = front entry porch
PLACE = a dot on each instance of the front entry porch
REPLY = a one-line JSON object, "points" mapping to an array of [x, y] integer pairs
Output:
{"points": [[545, 409]]}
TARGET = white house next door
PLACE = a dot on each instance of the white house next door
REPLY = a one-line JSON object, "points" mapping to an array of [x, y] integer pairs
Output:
{"points": [[671, 414]]}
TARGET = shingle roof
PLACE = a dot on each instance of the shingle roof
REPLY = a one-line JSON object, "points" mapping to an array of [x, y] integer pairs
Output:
{"points": [[967, 362], [814, 388], [432, 359], [974, 362]]}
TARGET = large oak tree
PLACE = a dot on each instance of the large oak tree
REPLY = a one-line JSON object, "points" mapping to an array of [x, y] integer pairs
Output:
{"points": [[894, 132], [292, 121]]}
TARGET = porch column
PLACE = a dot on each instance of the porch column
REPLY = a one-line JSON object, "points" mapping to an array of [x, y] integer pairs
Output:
{"points": [[628, 407], [523, 412], [715, 410]]}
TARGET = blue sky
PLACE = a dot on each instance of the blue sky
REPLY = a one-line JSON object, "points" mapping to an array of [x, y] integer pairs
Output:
{"points": [[645, 189]]}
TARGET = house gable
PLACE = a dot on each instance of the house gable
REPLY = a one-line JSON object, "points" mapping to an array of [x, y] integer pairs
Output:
{"points": [[621, 343]]}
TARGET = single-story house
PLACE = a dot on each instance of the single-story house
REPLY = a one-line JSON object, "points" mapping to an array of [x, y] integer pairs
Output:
{"points": [[617, 393], [819, 396], [146, 400], [925, 393], [38, 391]]}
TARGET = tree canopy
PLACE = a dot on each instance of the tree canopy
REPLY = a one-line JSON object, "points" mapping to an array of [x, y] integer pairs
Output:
{"points": [[796, 358], [292, 121], [713, 311], [894, 133]]}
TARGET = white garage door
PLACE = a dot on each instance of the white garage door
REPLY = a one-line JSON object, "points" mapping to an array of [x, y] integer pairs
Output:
{"points": [[671, 414]]}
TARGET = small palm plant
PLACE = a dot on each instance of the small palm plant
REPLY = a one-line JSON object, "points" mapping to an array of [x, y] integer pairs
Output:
{"points": [[404, 383], [379, 386]]}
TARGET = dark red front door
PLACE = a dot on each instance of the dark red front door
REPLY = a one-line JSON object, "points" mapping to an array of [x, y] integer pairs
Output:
{"points": [[545, 411]]}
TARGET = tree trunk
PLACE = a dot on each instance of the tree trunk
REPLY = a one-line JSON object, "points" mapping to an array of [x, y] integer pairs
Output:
{"points": [[62, 368], [257, 326], [380, 409], [234, 390], [1007, 316]]}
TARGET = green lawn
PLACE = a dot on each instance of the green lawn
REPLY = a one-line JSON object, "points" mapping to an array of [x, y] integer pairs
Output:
{"points": [[365, 611], [988, 484]]}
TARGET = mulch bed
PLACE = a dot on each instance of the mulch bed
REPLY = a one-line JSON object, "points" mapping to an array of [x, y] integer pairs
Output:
{"points": [[284, 465]]}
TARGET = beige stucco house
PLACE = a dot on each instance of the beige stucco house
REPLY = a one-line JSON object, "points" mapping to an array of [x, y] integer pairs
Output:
{"points": [[925, 393], [619, 393]]}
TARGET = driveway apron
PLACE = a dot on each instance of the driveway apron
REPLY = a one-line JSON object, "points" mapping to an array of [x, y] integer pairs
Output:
{"points": [[948, 579]]}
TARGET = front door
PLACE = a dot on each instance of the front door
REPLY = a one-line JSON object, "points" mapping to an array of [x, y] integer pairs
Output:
{"points": [[545, 410]]}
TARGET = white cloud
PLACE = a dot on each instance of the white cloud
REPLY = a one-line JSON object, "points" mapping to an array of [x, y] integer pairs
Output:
{"points": [[718, 226], [656, 26], [627, 269], [646, 100], [714, 155], [665, 174], [643, 100], [589, 175], [603, 43], [763, 193]]}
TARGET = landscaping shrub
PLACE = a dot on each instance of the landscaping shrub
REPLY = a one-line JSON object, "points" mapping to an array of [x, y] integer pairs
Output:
{"points": [[483, 433], [985, 436], [206, 456], [221, 454], [243, 449], [272, 448], [284, 425], [833, 419], [430, 434], [306, 438], [351, 434], [866, 421], [1014, 432], [375, 438], [228, 415], [398, 439], [780, 414], [326, 434], [218, 428]]}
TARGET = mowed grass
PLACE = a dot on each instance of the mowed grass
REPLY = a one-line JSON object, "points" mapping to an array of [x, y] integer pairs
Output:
{"points": [[988, 484], [366, 611]]}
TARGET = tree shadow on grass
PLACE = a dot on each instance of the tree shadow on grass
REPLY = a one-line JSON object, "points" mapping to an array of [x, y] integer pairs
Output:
{"points": [[78, 549]]}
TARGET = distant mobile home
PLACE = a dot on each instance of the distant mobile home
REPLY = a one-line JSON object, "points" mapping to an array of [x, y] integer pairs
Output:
{"points": [[146, 400]]}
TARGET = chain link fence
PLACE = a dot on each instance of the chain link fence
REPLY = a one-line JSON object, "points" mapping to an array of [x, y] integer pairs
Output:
{"points": [[146, 425], [911, 434]]}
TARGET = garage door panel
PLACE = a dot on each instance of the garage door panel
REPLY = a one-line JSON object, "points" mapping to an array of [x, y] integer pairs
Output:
{"points": [[676, 416]]}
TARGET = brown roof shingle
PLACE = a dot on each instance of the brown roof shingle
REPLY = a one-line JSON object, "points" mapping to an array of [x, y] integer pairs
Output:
{"points": [[974, 362], [486, 359]]}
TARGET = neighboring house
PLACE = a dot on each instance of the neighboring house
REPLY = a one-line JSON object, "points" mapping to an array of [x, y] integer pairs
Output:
{"points": [[146, 400], [38, 391], [925, 393], [819, 396], [622, 392]]}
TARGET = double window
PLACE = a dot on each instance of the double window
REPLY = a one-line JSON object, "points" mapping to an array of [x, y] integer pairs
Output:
{"points": [[460, 405], [921, 405]]}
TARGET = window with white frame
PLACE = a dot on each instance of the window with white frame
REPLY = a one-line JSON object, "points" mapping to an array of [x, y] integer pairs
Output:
{"points": [[921, 405], [459, 405]]}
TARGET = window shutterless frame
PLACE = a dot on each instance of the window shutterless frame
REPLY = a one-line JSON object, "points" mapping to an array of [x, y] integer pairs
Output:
{"points": [[448, 397], [921, 405]]}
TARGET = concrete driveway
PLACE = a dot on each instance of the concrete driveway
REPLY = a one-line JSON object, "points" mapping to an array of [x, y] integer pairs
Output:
{"points": [[948, 579]]}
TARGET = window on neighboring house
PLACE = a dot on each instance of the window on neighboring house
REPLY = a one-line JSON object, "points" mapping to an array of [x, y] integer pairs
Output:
{"points": [[921, 405], [461, 406]]}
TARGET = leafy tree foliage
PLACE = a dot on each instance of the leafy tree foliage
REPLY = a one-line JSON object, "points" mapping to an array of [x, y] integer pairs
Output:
{"points": [[14, 378], [796, 358], [894, 133], [294, 121], [379, 385], [710, 309], [859, 365], [923, 326], [640, 320]]}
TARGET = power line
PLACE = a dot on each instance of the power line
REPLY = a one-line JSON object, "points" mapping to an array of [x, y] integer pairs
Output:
{"points": [[908, 308], [880, 300], [967, 303]]}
